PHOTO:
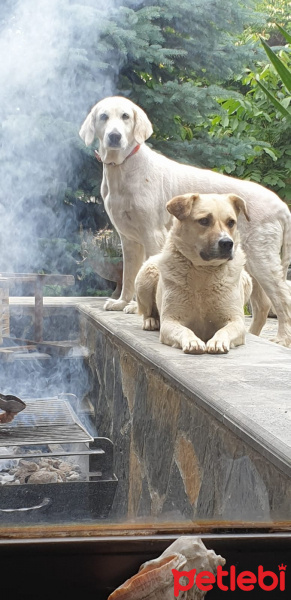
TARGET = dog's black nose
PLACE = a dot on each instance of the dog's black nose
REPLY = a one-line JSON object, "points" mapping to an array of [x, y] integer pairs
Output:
{"points": [[114, 138], [225, 244]]}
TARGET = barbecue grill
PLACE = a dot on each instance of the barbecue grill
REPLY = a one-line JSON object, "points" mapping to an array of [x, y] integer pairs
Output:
{"points": [[49, 432], [45, 420]]}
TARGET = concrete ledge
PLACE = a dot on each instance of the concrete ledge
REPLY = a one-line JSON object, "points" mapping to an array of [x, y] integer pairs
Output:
{"points": [[248, 390]]}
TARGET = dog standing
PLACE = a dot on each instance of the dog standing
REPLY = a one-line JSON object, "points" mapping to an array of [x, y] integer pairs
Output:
{"points": [[197, 286], [137, 184]]}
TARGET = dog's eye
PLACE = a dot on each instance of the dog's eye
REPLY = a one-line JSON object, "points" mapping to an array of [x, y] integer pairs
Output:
{"points": [[205, 221], [125, 116], [231, 223], [103, 117]]}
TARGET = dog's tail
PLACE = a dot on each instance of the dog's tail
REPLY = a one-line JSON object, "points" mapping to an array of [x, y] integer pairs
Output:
{"points": [[286, 244]]}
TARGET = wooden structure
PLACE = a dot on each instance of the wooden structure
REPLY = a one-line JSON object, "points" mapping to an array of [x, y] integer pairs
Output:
{"points": [[36, 283]]}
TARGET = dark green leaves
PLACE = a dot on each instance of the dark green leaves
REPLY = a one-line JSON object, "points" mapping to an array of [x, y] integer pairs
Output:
{"points": [[283, 72]]}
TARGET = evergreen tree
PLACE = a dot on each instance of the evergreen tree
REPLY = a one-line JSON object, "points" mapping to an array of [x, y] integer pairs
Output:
{"points": [[172, 59], [63, 56]]}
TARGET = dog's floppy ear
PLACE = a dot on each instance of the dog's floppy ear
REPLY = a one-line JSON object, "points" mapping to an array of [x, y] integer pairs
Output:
{"points": [[143, 128], [181, 206], [239, 204], [87, 131]]}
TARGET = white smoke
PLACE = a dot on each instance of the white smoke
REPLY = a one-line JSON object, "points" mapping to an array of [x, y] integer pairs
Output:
{"points": [[49, 78], [47, 85], [31, 42]]}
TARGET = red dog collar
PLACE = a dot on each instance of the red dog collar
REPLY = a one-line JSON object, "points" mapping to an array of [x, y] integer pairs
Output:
{"points": [[136, 148]]}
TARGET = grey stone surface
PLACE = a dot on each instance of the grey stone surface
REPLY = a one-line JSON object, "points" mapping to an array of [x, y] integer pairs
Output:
{"points": [[202, 437], [248, 389], [177, 507]]}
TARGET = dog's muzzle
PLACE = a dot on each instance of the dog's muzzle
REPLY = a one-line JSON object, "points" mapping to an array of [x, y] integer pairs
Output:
{"points": [[225, 246], [114, 139], [222, 250]]}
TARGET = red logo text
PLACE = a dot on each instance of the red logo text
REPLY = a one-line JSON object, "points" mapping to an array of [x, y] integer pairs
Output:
{"points": [[230, 580]]}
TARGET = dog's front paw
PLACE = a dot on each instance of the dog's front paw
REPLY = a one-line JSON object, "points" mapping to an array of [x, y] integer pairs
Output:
{"points": [[131, 308], [114, 304], [151, 324], [193, 345], [219, 344]]}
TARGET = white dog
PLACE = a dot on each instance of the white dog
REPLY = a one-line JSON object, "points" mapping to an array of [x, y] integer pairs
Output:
{"points": [[137, 184], [196, 288]]}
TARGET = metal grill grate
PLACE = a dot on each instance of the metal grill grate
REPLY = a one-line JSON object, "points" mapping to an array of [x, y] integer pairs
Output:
{"points": [[44, 421]]}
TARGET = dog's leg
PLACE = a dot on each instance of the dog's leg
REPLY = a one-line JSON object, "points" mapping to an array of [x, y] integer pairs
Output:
{"points": [[247, 286], [233, 334], [260, 308], [176, 335], [116, 293], [153, 243], [146, 287], [266, 267], [281, 300], [133, 255]]}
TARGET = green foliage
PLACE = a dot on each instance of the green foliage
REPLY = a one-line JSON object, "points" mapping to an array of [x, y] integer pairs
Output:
{"points": [[284, 74], [274, 13], [249, 115]]}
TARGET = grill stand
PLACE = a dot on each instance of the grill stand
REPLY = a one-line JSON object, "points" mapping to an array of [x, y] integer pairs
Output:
{"points": [[76, 501]]}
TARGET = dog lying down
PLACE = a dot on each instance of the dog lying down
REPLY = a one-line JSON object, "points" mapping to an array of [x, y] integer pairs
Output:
{"points": [[138, 182], [196, 288]]}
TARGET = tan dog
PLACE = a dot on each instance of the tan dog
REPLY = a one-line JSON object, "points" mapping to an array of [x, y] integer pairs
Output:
{"points": [[137, 184], [198, 284]]}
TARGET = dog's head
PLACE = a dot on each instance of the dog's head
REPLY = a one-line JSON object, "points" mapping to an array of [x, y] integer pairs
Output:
{"points": [[205, 228], [118, 123]]}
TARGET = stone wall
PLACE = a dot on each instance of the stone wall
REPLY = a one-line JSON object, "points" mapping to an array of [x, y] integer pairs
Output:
{"points": [[174, 460]]}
